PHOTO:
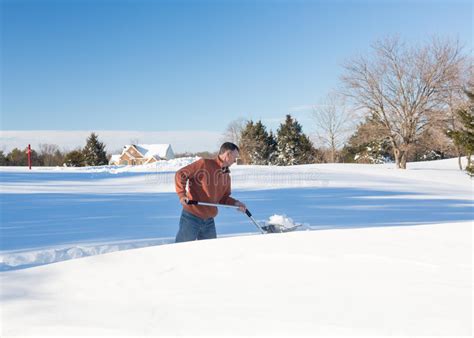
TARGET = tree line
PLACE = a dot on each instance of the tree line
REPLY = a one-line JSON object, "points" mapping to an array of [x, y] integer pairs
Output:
{"points": [[290, 146], [92, 154], [367, 144]]}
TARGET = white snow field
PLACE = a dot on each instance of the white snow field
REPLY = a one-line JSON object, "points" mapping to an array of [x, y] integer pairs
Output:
{"points": [[389, 252]]}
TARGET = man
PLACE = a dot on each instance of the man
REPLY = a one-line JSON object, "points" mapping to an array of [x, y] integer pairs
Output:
{"points": [[208, 181]]}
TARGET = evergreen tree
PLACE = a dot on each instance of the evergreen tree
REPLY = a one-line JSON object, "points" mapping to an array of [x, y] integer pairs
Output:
{"points": [[293, 146], [74, 158], [257, 146], [272, 148], [262, 145], [19, 157], [94, 151], [368, 144], [465, 137], [246, 142], [3, 159]]}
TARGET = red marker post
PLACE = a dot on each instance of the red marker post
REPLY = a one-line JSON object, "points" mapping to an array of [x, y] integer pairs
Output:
{"points": [[29, 156]]}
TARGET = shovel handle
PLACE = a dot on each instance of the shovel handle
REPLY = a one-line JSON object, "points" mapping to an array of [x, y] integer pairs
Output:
{"points": [[193, 202], [247, 211]]}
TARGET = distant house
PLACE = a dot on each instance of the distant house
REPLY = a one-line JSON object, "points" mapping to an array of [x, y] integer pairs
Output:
{"points": [[133, 154]]}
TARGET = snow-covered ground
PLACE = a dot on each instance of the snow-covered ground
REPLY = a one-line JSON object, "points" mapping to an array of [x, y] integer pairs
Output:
{"points": [[393, 254]]}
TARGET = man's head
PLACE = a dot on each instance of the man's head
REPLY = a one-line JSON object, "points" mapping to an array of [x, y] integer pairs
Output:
{"points": [[228, 154]]}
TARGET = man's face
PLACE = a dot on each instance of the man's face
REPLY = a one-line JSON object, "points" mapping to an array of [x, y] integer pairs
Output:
{"points": [[229, 157]]}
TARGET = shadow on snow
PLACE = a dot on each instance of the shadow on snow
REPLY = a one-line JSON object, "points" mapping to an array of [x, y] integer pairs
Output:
{"points": [[30, 221]]}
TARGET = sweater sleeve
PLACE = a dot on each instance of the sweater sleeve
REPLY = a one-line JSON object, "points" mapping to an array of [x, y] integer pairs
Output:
{"points": [[226, 199], [183, 175]]}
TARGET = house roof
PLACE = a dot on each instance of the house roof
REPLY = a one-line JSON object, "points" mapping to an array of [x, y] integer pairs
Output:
{"points": [[153, 150]]}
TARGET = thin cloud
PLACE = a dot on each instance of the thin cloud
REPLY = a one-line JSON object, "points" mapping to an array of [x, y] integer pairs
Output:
{"points": [[181, 141]]}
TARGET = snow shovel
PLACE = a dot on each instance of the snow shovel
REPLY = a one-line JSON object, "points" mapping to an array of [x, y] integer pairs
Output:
{"points": [[247, 212]]}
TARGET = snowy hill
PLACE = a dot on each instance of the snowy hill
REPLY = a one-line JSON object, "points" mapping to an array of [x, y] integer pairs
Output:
{"points": [[383, 281], [390, 254]]}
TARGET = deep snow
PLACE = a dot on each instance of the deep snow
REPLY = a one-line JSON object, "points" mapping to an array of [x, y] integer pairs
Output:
{"points": [[394, 254], [54, 214], [377, 281]]}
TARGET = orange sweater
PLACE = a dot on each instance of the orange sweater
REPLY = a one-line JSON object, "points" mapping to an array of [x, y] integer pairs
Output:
{"points": [[207, 182]]}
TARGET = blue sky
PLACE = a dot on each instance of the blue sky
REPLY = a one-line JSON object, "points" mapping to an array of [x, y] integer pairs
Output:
{"points": [[192, 65]]}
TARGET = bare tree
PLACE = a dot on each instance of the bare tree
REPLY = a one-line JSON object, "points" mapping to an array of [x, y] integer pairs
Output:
{"points": [[49, 154], [233, 131], [333, 120], [404, 87]]}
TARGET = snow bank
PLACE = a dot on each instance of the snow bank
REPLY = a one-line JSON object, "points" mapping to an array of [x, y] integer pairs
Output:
{"points": [[30, 258], [385, 281], [14, 260], [164, 165]]}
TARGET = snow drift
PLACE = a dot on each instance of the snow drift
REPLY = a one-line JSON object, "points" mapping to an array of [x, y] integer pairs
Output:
{"points": [[382, 281]]}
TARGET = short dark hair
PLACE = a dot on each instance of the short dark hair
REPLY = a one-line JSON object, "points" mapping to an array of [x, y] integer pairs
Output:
{"points": [[228, 146]]}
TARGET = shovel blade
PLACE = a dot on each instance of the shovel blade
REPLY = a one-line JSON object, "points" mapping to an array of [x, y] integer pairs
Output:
{"points": [[276, 228]]}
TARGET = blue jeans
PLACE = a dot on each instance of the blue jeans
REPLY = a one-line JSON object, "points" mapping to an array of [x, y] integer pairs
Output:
{"points": [[192, 228]]}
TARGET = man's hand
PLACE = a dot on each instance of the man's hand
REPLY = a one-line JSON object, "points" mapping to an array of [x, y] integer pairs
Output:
{"points": [[241, 206], [184, 200]]}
